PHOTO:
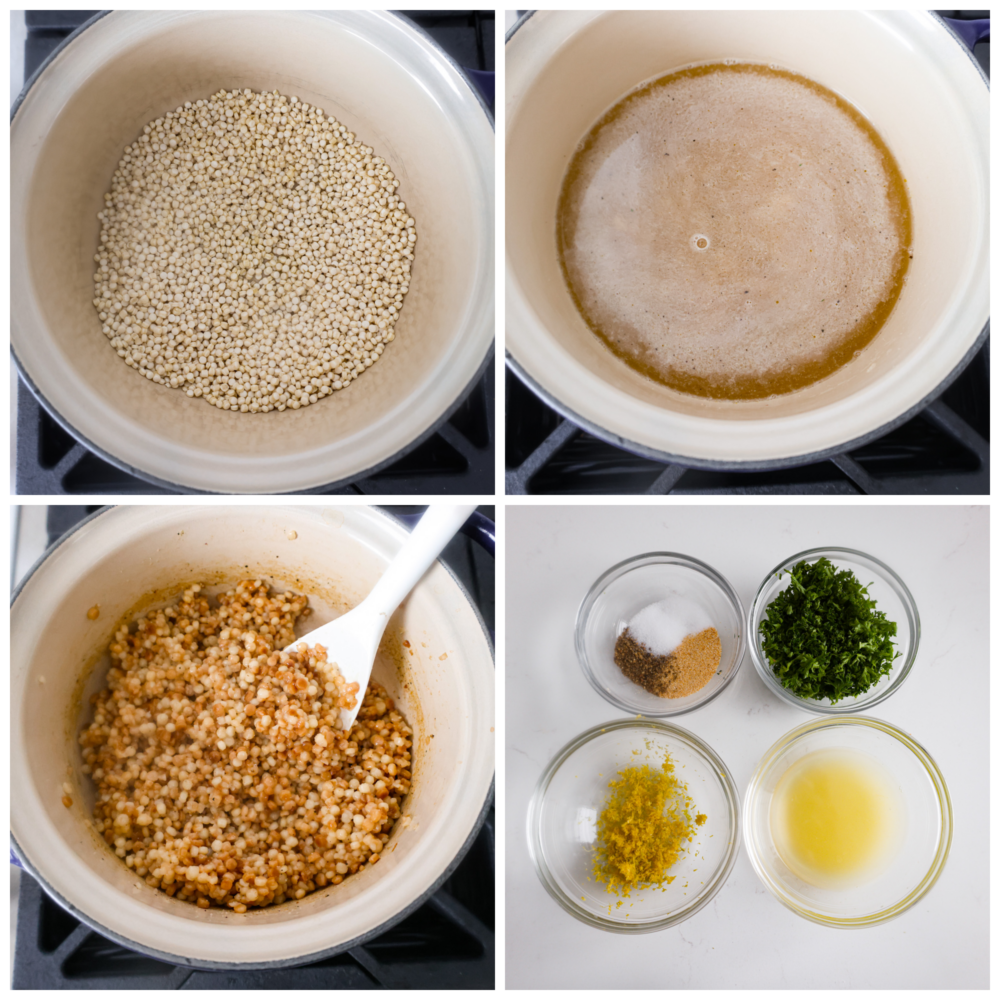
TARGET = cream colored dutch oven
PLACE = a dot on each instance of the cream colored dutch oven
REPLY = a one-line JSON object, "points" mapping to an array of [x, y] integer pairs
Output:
{"points": [[443, 680], [375, 72], [922, 91]]}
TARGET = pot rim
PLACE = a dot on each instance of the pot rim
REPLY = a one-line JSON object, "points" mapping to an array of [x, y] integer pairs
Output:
{"points": [[180, 489], [401, 14], [945, 21], [286, 963], [721, 465], [295, 961], [169, 485]]}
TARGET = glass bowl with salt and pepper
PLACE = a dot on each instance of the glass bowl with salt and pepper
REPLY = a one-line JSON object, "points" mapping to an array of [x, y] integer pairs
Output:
{"points": [[660, 634]]}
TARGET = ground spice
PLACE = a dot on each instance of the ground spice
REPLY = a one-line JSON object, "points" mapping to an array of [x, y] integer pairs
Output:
{"points": [[642, 830], [680, 673]]}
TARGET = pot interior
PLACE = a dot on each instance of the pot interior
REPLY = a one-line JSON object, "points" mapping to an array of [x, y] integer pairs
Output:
{"points": [[902, 70], [435, 661], [377, 75]]}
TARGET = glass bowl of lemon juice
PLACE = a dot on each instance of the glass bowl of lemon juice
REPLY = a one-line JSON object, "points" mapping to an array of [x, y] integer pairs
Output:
{"points": [[848, 821]]}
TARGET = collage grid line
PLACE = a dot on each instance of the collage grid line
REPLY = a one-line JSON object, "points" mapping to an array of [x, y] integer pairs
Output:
{"points": [[657, 670]]}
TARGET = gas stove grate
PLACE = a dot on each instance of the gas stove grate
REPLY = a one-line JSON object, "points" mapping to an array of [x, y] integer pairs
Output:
{"points": [[447, 943], [457, 459], [943, 450]]}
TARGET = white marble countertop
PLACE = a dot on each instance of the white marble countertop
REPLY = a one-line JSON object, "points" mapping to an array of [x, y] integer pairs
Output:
{"points": [[744, 937]]}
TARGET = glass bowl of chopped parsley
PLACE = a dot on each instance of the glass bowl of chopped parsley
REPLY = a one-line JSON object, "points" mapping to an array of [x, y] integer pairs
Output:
{"points": [[634, 826], [833, 631]]}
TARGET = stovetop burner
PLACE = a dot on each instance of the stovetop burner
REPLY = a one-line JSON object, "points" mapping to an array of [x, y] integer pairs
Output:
{"points": [[457, 458], [943, 450], [447, 943]]}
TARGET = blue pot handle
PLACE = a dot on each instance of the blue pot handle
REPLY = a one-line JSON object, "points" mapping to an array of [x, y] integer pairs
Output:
{"points": [[969, 31], [479, 528], [15, 860]]}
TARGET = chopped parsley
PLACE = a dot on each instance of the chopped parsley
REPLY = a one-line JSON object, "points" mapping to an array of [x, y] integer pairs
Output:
{"points": [[823, 636]]}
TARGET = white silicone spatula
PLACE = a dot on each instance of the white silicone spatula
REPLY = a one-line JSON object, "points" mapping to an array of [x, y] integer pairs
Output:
{"points": [[352, 639]]}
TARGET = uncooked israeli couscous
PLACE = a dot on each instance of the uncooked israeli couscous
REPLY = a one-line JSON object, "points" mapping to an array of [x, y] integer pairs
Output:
{"points": [[253, 253], [221, 773]]}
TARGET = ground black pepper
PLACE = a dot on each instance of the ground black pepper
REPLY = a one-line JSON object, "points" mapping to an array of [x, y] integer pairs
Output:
{"points": [[677, 674]]}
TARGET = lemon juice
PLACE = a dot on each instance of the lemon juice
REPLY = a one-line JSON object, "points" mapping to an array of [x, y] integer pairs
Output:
{"points": [[835, 818]]}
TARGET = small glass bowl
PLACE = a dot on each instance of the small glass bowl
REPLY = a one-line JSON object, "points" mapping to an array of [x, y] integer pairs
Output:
{"points": [[562, 818], [925, 823], [625, 589], [890, 595]]}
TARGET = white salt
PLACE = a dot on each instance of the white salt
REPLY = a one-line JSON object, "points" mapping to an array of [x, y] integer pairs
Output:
{"points": [[663, 626]]}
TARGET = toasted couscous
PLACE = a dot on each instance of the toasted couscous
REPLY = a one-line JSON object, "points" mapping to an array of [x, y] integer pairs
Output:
{"points": [[221, 772]]}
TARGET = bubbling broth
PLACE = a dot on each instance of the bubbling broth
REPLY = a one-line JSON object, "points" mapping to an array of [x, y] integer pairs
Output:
{"points": [[734, 231]]}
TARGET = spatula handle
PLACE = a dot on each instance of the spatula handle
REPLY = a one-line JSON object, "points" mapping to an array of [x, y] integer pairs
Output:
{"points": [[434, 530]]}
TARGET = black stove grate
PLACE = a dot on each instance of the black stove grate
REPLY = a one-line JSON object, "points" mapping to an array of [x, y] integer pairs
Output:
{"points": [[457, 459], [447, 943], [943, 450], [443, 945]]}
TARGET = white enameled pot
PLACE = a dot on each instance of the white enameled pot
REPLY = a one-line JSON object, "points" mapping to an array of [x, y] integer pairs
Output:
{"points": [[375, 72], [904, 70], [436, 661]]}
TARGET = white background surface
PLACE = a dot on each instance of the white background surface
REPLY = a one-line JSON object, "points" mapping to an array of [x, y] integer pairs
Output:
{"points": [[744, 937]]}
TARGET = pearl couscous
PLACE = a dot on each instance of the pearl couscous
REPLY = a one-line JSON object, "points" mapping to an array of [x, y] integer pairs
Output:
{"points": [[253, 253], [221, 773]]}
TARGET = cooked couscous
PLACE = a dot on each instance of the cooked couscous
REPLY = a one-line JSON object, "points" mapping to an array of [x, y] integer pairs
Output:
{"points": [[222, 776]]}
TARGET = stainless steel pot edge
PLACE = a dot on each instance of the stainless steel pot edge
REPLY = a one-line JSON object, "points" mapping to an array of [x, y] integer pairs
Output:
{"points": [[517, 24], [284, 963], [796, 460], [946, 24], [45, 555], [16, 857], [324, 487], [392, 517], [397, 13]]}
